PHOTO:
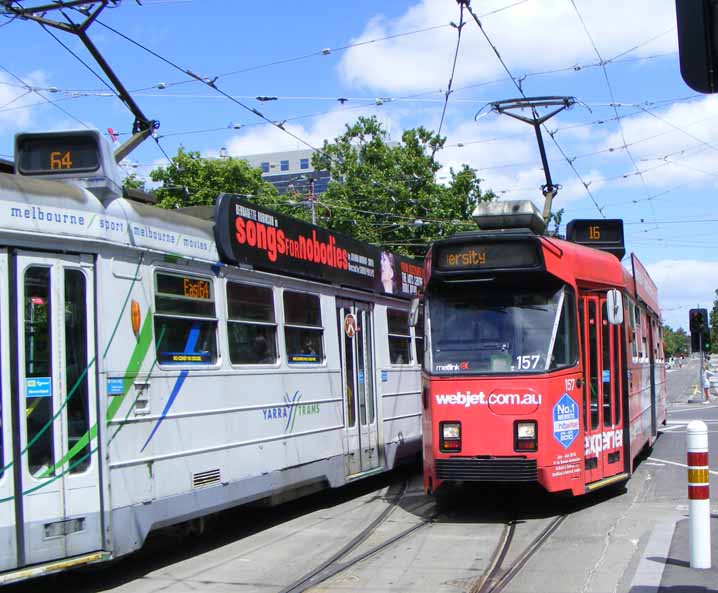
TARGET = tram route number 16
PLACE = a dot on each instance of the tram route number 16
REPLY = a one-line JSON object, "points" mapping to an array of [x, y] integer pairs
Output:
{"points": [[594, 232], [60, 160]]}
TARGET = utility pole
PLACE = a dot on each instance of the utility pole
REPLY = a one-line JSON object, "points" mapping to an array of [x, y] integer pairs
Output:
{"points": [[312, 199], [509, 106]]}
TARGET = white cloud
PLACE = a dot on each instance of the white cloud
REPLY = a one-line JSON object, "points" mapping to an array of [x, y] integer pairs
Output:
{"points": [[531, 36], [683, 285], [16, 101], [674, 145]]}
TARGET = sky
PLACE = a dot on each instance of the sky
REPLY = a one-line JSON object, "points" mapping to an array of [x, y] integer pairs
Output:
{"points": [[638, 143]]}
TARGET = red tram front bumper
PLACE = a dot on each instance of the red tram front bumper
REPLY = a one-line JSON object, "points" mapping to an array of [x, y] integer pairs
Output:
{"points": [[491, 415]]}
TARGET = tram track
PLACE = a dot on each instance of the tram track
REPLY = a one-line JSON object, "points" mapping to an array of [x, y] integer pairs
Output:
{"points": [[334, 565], [496, 577]]}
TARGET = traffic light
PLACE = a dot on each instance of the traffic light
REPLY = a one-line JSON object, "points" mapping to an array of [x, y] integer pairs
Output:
{"points": [[700, 333]]}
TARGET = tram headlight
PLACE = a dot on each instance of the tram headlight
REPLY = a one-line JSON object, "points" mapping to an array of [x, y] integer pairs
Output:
{"points": [[450, 433], [525, 435]]}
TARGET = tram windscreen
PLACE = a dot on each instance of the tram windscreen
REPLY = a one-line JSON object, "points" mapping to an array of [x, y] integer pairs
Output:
{"points": [[502, 330]]}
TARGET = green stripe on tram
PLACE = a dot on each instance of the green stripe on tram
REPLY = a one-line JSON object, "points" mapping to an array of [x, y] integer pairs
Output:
{"points": [[139, 353]]}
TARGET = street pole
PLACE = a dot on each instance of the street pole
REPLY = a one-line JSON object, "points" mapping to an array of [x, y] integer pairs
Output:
{"points": [[699, 510], [312, 200]]}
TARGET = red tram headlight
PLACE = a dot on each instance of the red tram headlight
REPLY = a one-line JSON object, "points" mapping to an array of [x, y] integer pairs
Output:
{"points": [[525, 435], [450, 437]]}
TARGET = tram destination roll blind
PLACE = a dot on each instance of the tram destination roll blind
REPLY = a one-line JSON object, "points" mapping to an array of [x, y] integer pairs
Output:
{"points": [[489, 256], [603, 234]]}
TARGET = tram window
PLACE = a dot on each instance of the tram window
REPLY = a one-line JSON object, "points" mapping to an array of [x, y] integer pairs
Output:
{"points": [[185, 320], [419, 337], [38, 371], [582, 325], [565, 348], [78, 410], [618, 371], [593, 362], [303, 331], [251, 325], [634, 333], [606, 370], [399, 336], [644, 336]]}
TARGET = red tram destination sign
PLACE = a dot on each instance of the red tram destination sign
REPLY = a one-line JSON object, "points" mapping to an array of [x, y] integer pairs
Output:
{"points": [[249, 234]]}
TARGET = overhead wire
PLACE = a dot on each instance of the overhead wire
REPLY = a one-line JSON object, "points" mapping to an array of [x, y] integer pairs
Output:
{"points": [[211, 83], [613, 101], [459, 27], [45, 99], [520, 89]]}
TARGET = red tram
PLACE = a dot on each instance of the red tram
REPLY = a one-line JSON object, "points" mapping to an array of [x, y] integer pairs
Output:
{"points": [[544, 358]]}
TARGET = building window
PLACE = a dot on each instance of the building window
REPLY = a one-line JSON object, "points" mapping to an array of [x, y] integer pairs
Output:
{"points": [[399, 336], [284, 165], [304, 163], [251, 325], [185, 321], [303, 331], [265, 167]]}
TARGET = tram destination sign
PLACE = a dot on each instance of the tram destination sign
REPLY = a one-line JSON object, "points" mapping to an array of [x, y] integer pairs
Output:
{"points": [[53, 153], [253, 235], [606, 235], [488, 255]]}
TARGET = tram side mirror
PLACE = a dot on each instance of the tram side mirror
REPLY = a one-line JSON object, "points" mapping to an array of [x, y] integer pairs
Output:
{"points": [[414, 312], [614, 307], [697, 36]]}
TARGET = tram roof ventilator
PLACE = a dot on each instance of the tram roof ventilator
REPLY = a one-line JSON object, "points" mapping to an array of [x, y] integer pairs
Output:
{"points": [[510, 216]]}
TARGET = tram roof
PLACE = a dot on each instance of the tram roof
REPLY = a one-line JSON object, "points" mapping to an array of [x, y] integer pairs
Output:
{"points": [[62, 210], [592, 266]]}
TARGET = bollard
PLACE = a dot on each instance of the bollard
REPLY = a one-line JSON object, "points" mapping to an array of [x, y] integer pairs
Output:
{"points": [[698, 495]]}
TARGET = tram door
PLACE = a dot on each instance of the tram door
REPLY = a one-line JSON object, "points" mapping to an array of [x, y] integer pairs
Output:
{"points": [[357, 353], [603, 393], [8, 548], [57, 486]]}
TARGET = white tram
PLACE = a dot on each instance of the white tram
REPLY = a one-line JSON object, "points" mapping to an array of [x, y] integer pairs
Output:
{"points": [[157, 368]]}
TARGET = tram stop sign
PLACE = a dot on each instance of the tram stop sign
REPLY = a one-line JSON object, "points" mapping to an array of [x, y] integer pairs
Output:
{"points": [[565, 421]]}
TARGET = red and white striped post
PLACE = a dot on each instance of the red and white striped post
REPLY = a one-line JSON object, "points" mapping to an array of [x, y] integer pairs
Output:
{"points": [[698, 495]]}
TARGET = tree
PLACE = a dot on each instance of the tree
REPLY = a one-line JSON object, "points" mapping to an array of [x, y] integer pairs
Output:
{"points": [[193, 181], [675, 342], [387, 193], [134, 182]]}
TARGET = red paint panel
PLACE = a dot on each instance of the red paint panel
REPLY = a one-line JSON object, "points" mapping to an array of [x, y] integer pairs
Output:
{"points": [[698, 492], [697, 458]]}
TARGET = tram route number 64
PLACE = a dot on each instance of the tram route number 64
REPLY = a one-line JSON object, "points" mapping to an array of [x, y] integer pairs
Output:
{"points": [[59, 160]]}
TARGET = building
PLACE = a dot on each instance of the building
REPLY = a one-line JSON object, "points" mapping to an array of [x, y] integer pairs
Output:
{"points": [[290, 171]]}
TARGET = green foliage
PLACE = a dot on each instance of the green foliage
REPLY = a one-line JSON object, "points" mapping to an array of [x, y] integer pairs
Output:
{"points": [[555, 219], [134, 182], [193, 181], [675, 342], [388, 194]]}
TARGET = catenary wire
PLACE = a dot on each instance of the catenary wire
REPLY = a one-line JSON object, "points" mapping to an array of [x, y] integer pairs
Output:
{"points": [[520, 89]]}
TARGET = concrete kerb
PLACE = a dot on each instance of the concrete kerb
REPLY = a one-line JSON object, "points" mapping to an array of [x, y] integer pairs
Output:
{"points": [[649, 573]]}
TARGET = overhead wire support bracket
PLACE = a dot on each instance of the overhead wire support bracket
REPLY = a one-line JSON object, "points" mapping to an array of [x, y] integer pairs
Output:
{"points": [[142, 127], [510, 107]]}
